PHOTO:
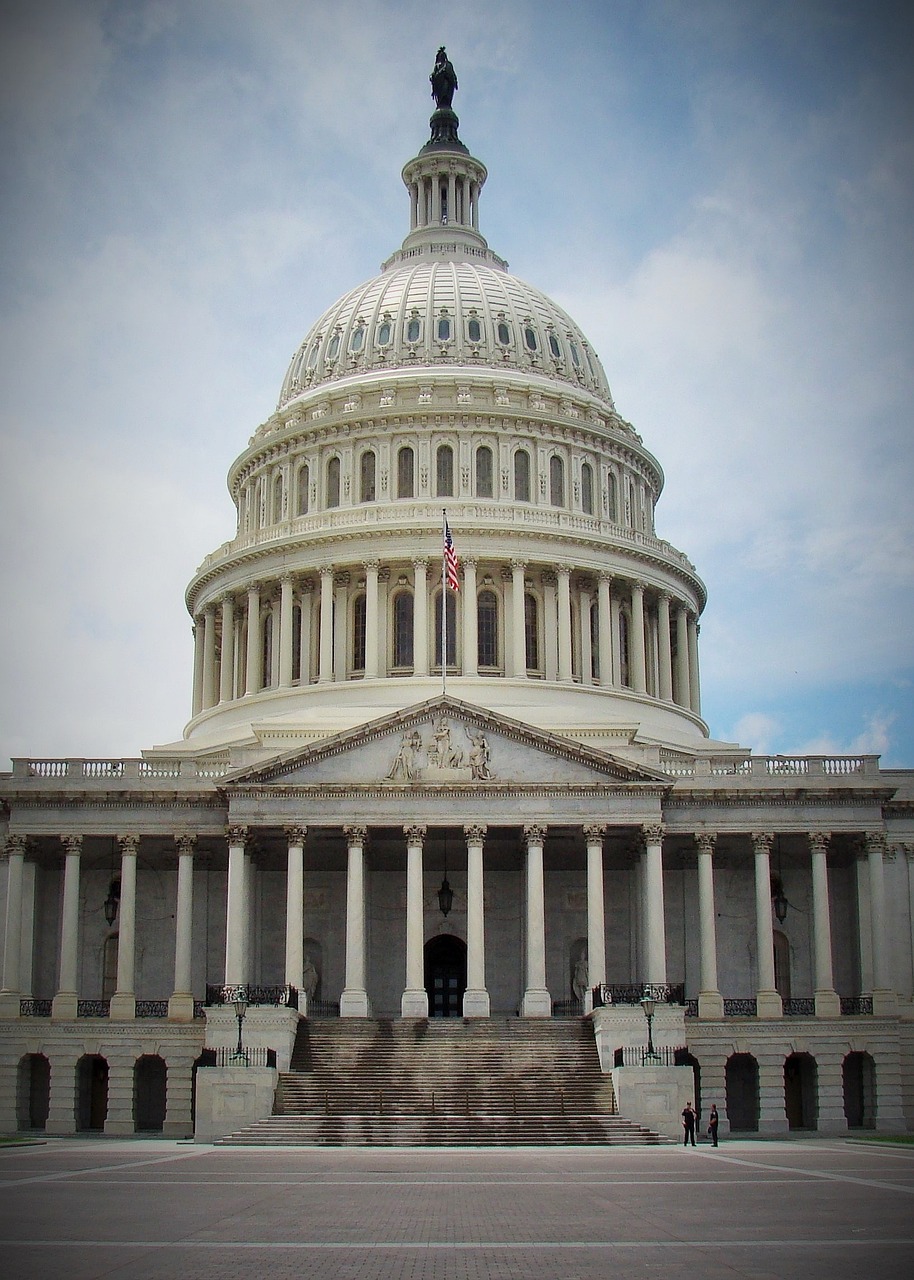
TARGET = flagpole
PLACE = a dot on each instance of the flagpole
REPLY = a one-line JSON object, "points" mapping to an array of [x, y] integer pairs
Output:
{"points": [[443, 605]]}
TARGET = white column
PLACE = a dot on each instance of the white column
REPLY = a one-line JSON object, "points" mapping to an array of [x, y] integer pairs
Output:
{"points": [[596, 911], [549, 583], [470, 620], [518, 629], [181, 1004], [476, 1003], [414, 1001], [295, 888], [64, 1004], [209, 656], [681, 691], [354, 1000], [615, 615], [584, 606], [883, 996], [227, 659], [564, 612], [197, 703], [420, 615], [537, 1002], [413, 206], [654, 923], [371, 620], [768, 1001], [271, 677], [123, 1002], [710, 1001], [325, 659], [236, 923], [636, 655], [828, 1004], [341, 625], [286, 601], [306, 599], [12, 938], [604, 629], [694, 683], [665, 663], [254, 670]]}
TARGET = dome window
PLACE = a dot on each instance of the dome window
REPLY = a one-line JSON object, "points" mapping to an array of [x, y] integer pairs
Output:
{"points": [[333, 482], [587, 488], [413, 330], [556, 481], [405, 473], [554, 346], [529, 338], [334, 348], [384, 334], [444, 472], [575, 358], [474, 330], [484, 472], [312, 354], [522, 476], [503, 333], [357, 339], [444, 329]]}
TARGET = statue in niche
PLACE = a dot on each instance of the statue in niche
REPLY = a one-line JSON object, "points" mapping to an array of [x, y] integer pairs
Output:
{"points": [[441, 753], [579, 977], [443, 80], [404, 766], [310, 978], [479, 756]]}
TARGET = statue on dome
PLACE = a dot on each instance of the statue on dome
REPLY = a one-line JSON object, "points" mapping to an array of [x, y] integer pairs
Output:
{"points": [[443, 80]]}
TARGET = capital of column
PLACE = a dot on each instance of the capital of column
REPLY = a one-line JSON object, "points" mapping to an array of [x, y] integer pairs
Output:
{"points": [[296, 833], [185, 843], [14, 845], [326, 571], [415, 833], [129, 844], [594, 832], [818, 841], [518, 564], [371, 565], [653, 833], [874, 842], [706, 841], [469, 562], [474, 834], [342, 579], [548, 578], [237, 835], [420, 564], [762, 841], [355, 835], [534, 833], [72, 844]]}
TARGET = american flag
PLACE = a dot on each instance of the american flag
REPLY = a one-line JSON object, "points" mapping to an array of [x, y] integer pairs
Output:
{"points": [[451, 562]]}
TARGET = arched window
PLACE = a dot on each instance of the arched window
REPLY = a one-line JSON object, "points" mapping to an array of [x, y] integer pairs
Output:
{"points": [[384, 334], [487, 629], [403, 629], [521, 476], [358, 633], [277, 499], [405, 473], [532, 631], [451, 606], [367, 468], [444, 471], [484, 472], [556, 481], [303, 486], [333, 349], [630, 505], [612, 498], [587, 488], [444, 329], [333, 482], [474, 330], [357, 338]]}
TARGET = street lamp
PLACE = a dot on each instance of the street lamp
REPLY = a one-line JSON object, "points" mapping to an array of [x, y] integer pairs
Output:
{"points": [[241, 1008], [647, 1007]]}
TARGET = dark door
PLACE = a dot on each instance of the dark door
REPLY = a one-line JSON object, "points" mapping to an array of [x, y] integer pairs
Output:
{"points": [[445, 976]]}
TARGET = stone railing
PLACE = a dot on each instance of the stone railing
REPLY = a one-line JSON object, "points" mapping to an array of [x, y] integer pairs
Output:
{"points": [[136, 772], [769, 767]]}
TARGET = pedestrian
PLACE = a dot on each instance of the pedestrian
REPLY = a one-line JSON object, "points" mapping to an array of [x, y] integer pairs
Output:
{"points": [[688, 1125], [713, 1122]]}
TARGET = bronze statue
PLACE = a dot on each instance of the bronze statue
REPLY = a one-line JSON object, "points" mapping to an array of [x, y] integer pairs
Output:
{"points": [[443, 80]]}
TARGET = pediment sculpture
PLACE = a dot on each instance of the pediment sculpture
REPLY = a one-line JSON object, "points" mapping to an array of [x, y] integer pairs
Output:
{"points": [[439, 758]]}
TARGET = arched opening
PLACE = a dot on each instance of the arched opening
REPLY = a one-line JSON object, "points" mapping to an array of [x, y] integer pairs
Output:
{"points": [[91, 1092], [522, 476], [333, 482], [801, 1091], [859, 1077], [403, 630], [487, 630], [556, 481], [150, 1076], [444, 471], [367, 472], [587, 489], [33, 1092], [359, 615], [484, 472], [303, 487], [741, 1077], [683, 1058], [405, 470], [277, 499], [612, 498], [451, 605], [445, 975], [532, 632]]}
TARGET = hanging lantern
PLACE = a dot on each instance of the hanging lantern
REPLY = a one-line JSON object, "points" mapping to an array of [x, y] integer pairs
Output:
{"points": [[112, 901]]}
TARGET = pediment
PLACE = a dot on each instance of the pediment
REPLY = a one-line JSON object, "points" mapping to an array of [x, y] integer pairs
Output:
{"points": [[444, 743]]}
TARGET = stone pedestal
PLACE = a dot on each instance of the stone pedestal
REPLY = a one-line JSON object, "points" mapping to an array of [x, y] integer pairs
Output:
{"points": [[228, 1098], [654, 1096], [476, 1004], [413, 1003], [354, 1004], [123, 1007], [537, 1003], [828, 1004], [181, 1008], [9, 1004], [63, 1006], [769, 1004], [710, 1005]]}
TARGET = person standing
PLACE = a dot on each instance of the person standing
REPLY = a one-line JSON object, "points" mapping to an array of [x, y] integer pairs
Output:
{"points": [[688, 1125], [713, 1122]]}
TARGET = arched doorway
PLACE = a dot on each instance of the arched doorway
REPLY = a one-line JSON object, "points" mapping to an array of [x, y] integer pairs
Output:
{"points": [[801, 1089], [445, 975], [683, 1058], [91, 1092], [742, 1093], [149, 1090], [33, 1092], [859, 1074]]}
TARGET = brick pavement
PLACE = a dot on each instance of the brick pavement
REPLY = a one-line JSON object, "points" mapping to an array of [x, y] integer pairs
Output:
{"points": [[148, 1210]]}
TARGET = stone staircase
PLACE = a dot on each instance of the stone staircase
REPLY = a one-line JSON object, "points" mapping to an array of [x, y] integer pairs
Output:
{"points": [[444, 1082]]}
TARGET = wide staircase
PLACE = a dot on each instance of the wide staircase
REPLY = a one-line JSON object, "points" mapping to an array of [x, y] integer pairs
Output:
{"points": [[444, 1082]]}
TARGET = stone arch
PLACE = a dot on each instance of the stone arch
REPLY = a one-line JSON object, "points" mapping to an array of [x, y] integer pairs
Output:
{"points": [[801, 1091], [33, 1091], [858, 1073], [150, 1084], [742, 1088], [91, 1092]]}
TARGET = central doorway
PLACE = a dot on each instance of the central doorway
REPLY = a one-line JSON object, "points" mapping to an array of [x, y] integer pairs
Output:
{"points": [[445, 975]]}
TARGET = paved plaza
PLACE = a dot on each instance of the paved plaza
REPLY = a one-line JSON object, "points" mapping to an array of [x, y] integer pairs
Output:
{"points": [[130, 1209]]}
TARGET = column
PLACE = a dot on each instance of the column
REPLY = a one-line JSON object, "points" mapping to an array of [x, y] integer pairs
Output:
{"points": [[325, 647], [414, 1002], [470, 620], [64, 1004], [341, 625], [828, 1005], [295, 890], [564, 612], [549, 583], [236, 923], [636, 655], [286, 601], [665, 673], [306, 599], [238, 673], [227, 660], [596, 911], [681, 692], [864, 931], [604, 632], [119, 1120], [123, 1002], [710, 1001], [354, 999], [271, 677], [62, 1109], [254, 672], [476, 1002], [615, 613], [413, 206], [371, 619], [518, 620], [768, 1001], [420, 615], [197, 633], [181, 1004], [884, 999], [537, 1002], [12, 939], [694, 684], [209, 656], [654, 925]]}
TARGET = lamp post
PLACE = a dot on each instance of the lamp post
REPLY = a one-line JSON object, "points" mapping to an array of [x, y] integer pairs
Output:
{"points": [[647, 1006], [241, 1008]]}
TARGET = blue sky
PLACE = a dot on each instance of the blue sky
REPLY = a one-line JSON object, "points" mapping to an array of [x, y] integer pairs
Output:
{"points": [[720, 193]]}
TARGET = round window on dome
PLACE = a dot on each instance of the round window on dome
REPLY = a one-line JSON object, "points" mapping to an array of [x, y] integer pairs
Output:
{"points": [[504, 333], [413, 330], [384, 334], [444, 329], [529, 339], [554, 346], [474, 331]]}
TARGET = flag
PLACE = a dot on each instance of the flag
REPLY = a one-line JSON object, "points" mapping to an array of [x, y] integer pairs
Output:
{"points": [[451, 562]]}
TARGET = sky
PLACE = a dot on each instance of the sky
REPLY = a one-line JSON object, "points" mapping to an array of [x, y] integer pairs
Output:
{"points": [[719, 191]]}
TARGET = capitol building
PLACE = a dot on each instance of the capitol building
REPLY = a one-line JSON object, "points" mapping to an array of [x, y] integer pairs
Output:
{"points": [[401, 800]]}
